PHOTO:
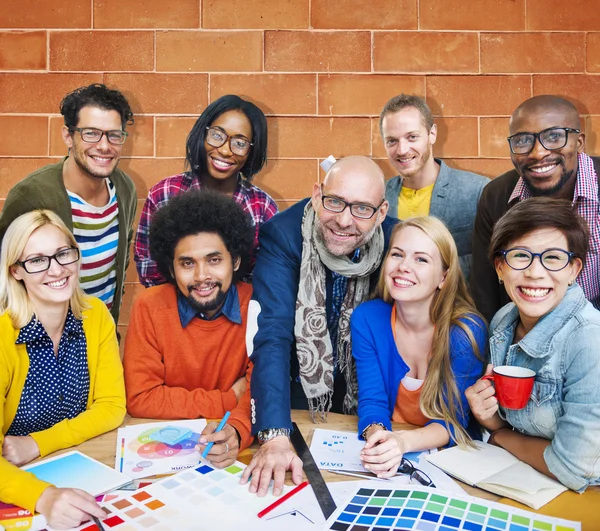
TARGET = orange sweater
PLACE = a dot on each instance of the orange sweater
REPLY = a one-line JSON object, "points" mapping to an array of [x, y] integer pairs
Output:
{"points": [[186, 373]]}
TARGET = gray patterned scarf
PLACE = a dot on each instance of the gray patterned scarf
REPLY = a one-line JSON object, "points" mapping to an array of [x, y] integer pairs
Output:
{"points": [[313, 342]]}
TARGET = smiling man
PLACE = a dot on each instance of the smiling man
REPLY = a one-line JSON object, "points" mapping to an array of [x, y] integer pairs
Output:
{"points": [[317, 261], [185, 351], [546, 146], [425, 185], [95, 199]]}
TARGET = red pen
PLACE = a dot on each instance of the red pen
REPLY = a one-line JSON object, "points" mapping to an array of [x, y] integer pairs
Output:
{"points": [[278, 502]]}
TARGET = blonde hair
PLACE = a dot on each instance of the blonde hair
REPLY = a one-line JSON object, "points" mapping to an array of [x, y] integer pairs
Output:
{"points": [[13, 294], [451, 306]]}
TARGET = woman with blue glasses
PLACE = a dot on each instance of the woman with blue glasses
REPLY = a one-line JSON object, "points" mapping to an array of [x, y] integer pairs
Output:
{"points": [[539, 248]]}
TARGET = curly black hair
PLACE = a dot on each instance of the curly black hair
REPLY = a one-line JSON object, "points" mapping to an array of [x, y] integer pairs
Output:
{"points": [[195, 151], [96, 95], [193, 212]]}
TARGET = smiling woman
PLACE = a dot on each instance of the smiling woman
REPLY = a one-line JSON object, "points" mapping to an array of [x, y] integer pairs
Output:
{"points": [[60, 372], [421, 340], [539, 248], [225, 149]]}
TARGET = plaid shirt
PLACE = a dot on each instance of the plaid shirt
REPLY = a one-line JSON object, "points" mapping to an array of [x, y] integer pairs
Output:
{"points": [[588, 206], [254, 201]]}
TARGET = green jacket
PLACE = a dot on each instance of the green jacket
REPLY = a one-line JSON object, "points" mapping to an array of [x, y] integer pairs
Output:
{"points": [[44, 188]]}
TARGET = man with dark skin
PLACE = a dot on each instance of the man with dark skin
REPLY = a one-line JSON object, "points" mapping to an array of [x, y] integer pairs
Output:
{"points": [[547, 151]]}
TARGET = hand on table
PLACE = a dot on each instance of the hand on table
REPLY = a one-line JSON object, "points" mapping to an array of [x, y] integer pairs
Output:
{"points": [[271, 461], [226, 444], [383, 452], [67, 508], [20, 450]]}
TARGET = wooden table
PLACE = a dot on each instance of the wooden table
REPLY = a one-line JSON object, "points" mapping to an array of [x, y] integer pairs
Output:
{"points": [[570, 505]]}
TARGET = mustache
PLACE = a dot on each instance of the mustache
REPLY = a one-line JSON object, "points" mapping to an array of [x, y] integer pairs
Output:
{"points": [[198, 285], [543, 162], [332, 225]]}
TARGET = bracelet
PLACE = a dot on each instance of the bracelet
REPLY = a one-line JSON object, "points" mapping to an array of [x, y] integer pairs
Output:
{"points": [[364, 432]]}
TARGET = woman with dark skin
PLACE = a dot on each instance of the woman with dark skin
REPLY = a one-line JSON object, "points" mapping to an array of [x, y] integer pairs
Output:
{"points": [[225, 149]]}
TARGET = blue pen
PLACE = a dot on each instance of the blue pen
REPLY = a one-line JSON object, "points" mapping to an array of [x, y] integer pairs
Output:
{"points": [[219, 428]]}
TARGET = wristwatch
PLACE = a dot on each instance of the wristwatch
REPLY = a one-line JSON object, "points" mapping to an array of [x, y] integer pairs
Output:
{"points": [[270, 433], [365, 431]]}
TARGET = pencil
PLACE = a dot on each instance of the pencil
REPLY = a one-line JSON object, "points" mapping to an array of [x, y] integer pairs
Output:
{"points": [[278, 502], [219, 428], [98, 524]]}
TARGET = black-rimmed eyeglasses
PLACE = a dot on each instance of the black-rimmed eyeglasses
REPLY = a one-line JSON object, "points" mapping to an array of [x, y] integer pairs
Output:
{"points": [[551, 139], [406, 467], [238, 145], [39, 264], [551, 259], [358, 210], [91, 135]]}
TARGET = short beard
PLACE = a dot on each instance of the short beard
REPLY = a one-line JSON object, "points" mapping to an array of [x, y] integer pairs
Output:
{"points": [[545, 192], [365, 238], [424, 158], [209, 306]]}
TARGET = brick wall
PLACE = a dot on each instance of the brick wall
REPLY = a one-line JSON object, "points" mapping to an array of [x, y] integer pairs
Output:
{"points": [[320, 69]]}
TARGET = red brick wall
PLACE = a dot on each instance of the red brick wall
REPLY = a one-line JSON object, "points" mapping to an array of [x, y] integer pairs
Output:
{"points": [[320, 69]]}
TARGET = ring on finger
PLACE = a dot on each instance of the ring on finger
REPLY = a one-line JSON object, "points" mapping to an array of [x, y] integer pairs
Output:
{"points": [[226, 448]]}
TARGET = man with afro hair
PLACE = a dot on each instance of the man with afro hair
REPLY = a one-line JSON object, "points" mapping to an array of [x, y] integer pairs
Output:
{"points": [[185, 351]]}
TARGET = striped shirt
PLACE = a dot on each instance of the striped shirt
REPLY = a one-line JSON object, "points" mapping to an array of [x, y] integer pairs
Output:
{"points": [[96, 230], [586, 201]]}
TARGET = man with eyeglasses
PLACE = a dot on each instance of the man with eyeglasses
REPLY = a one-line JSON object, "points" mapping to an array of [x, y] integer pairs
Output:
{"points": [[317, 261], [546, 145], [95, 199]]}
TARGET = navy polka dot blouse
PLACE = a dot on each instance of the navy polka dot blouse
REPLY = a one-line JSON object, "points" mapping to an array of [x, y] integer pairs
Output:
{"points": [[56, 387]]}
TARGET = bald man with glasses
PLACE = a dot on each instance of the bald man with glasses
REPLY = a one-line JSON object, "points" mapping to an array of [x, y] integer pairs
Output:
{"points": [[546, 144], [317, 261]]}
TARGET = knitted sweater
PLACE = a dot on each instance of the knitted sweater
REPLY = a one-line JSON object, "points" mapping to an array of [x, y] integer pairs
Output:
{"points": [[173, 372]]}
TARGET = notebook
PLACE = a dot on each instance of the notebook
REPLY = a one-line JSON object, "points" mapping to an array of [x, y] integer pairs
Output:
{"points": [[494, 469]]}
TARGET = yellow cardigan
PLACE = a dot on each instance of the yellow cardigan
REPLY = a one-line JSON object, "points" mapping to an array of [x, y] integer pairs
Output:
{"points": [[105, 408]]}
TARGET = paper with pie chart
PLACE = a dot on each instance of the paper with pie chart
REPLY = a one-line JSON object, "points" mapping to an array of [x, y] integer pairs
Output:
{"points": [[158, 448]]}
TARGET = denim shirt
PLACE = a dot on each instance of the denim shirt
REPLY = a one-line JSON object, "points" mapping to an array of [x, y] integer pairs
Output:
{"points": [[563, 348]]}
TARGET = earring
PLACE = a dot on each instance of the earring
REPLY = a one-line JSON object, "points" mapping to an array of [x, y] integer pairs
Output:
{"points": [[571, 282], [500, 281]]}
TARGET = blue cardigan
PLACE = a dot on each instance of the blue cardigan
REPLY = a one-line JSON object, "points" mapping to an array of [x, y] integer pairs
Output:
{"points": [[380, 367]]}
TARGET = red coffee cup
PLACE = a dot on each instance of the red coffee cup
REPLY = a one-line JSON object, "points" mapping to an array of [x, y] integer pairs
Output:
{"points": [[513, 385]]}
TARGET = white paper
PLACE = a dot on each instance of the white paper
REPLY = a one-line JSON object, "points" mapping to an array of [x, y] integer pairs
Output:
{"points": [[154, 448], [340, 450]]}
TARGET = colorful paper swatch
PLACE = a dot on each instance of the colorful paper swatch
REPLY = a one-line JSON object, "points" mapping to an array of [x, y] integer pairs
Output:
{"points": [[175, 503], [377, 509]]}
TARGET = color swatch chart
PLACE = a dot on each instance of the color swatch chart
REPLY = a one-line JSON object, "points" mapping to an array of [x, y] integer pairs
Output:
{"points": [[194, 499], [372, 509]]}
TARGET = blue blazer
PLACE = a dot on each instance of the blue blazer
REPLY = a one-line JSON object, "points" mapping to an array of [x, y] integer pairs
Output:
{"points": [[454, 200], [275, 385], [380, 367]]}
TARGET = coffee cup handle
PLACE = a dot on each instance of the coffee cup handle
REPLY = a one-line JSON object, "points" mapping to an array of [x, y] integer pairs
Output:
{"points": [[488, 377]]}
